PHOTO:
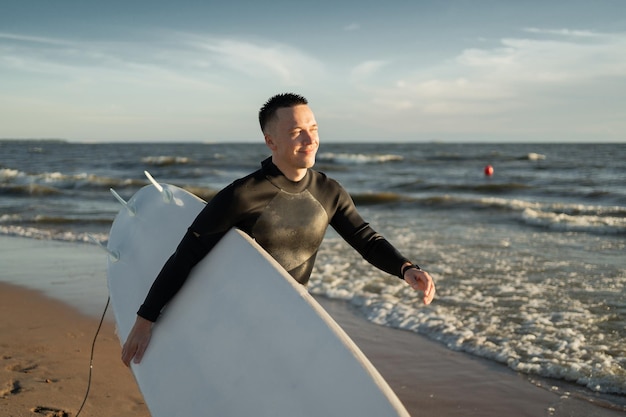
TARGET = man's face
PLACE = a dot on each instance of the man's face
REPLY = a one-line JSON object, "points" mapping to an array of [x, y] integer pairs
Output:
{"points": [[293, 138]]}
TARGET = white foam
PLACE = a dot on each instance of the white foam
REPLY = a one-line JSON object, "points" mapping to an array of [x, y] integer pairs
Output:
{"points": [[165, 160], [581, 223], [6, 173], [10, 218], [46, 234], [532, 156], [350, 158], [535, 327]]}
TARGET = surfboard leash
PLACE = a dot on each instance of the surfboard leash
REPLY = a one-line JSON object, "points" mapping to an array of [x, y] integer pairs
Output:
{"points": [[93, 346]]}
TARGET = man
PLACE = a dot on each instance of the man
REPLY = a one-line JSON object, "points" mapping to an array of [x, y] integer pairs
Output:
{"points": [[286, 207]]}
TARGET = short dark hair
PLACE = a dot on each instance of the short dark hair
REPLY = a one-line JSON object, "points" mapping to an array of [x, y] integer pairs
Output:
{"points": [[268, 111]]}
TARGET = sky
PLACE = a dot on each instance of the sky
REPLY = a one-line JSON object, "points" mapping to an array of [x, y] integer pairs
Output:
{"points": [[396, 71]]}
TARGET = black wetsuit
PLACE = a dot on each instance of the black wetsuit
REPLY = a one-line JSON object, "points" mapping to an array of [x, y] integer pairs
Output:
{"points": [[288, 219]]}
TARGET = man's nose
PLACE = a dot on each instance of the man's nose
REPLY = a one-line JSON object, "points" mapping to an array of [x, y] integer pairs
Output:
{"points": [[308, 137]]}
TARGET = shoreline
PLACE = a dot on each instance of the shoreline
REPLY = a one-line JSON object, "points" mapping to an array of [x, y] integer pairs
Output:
{"points": [[46, 344]]}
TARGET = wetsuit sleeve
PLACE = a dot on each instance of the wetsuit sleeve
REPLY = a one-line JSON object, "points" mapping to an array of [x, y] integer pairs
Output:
{"points": [[207, 229], [372, 246], [173, 275]]}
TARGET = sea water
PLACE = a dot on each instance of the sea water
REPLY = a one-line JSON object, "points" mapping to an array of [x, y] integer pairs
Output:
{"points": [[529, 263]]}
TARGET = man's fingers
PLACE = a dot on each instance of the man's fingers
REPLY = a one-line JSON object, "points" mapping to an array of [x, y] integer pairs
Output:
{"points": [[423, 282], [134, 352], [139, 353], [429, 290], [137, 341], [128, 353]]}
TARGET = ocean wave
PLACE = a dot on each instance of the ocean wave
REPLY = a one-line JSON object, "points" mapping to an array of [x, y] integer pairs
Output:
{"points": [[28, 189], [487, 156], [602, 220], [45, 222], [618, 212], [165, 160], [490, 187], [480, 187], [357, 159], [61, 220], [18, 182], [7, 173], [461, 202], [564, 222], [532, 156], [10, 218], [47, 234], [85, 180], [376, 198]]}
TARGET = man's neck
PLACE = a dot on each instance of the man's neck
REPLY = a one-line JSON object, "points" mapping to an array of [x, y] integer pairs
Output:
{"points": [[292, 174]]}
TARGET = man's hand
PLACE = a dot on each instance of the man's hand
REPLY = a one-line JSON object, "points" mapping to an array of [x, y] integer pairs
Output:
{"points": [[421, 281], [137, 341]]}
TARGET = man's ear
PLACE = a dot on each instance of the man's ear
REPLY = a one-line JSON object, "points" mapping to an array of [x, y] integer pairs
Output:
{"points": [[269, 141]]}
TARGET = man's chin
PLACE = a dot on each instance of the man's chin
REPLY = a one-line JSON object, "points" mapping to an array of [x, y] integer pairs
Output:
{"points": [[307, 161], [310, 162]]}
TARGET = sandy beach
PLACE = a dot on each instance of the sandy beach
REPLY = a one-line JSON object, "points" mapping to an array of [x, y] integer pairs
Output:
{"points": [[45, 346]]}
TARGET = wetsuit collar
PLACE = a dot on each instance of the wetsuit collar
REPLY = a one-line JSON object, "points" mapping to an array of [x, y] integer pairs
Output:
{"points": [[276, 177]]}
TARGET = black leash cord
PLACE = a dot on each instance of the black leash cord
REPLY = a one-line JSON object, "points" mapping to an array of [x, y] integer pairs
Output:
{"points": [[93, 345]]}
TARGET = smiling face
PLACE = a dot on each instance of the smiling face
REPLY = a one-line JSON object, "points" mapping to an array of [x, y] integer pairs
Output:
{"points": [[293, 138]]}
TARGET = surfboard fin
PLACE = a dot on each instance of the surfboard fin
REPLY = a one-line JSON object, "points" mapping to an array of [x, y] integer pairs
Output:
{"points": [[167, 194], [113, 255], [129, 207]]}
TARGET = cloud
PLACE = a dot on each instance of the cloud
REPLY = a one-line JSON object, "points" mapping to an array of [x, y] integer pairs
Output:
{"points": [[566, 81], [155, 80], [32, 39], [81, 60], [367, 69], [188, 59], [552, 61], [352, 27], [270, 60], [518, 67], [563, 32], [506, 83]]}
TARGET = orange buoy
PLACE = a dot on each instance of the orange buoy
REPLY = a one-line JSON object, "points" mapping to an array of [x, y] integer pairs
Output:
{"points": [[489, 170]]}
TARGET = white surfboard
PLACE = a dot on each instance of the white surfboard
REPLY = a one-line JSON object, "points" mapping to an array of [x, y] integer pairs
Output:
{"points": [[241, 338]]}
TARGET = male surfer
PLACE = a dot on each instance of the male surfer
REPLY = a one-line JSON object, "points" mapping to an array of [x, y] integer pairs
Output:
{"points": [[286, 207]]}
